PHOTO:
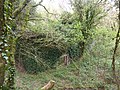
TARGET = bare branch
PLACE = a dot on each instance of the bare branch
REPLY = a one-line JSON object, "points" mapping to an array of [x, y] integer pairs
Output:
{"points": [[33, 19], [39, 4], [45, 9]]}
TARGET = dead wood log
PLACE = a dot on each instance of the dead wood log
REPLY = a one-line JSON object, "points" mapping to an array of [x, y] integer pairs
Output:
{"points": [[49, 85]]}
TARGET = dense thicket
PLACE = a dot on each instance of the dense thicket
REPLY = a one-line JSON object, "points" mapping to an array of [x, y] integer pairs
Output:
{"points": [[70, 34], [35, 54]]}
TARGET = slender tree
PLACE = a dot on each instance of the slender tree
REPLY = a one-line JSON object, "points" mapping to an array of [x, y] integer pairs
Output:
{"points": [[115, 49]]}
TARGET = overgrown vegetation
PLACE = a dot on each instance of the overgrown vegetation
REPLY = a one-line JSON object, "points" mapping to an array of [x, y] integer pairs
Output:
{"points": [[69, 35], [78, 49], [92, 72]]}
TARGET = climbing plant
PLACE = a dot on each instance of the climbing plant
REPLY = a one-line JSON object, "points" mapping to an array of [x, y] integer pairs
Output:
{"points": [[89, 14], [8, 46], [2, 30]]}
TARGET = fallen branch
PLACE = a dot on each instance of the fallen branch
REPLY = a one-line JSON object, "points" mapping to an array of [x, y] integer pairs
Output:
{"points": [[49, 85]]}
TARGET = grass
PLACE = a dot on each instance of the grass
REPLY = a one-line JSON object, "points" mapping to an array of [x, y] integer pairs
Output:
{"points": [[92, 73]]}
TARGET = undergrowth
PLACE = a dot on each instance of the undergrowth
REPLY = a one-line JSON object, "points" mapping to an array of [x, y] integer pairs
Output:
{"points": [[90, 75], [93, 72]]}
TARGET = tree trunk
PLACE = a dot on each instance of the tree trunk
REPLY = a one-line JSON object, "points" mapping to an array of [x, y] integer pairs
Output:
{"points": [[2, 64], [115, 49], [82, 48], [2, 70]]}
